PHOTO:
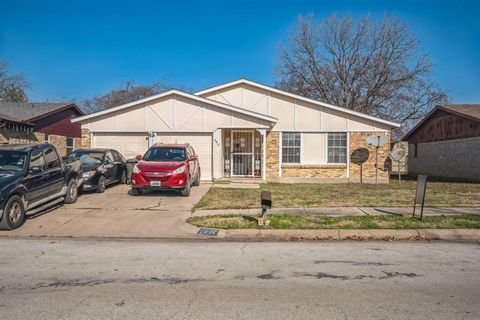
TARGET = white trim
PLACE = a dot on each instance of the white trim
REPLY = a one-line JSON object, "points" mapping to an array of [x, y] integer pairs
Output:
{"points": [[291, 95], [301, 147], [263, 134], [332, 130], [280, 154], [182, 94], [348, 154]]}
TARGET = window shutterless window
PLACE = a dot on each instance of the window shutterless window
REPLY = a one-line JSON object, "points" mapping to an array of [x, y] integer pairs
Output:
{"points": [[291, 142], [337, 147], [69, 145], [46, 138]]}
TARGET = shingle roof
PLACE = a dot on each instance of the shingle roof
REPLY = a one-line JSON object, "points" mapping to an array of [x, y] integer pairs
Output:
{"points": [[22, 111], [470, 110]]}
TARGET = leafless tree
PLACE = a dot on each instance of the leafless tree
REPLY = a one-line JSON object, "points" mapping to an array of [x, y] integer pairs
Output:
{"points": [[370, 66], [12, 86], [127, 93]]}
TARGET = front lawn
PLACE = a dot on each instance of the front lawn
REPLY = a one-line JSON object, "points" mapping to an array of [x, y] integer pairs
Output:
{"points": [[394, 194], [286, 221]]}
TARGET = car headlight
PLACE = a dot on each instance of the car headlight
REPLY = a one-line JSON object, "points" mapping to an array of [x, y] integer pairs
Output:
{"points": [[135, 169], [88, 174], [179, 170]]}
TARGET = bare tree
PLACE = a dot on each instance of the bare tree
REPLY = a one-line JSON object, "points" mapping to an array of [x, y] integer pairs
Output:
{"points": [[127, 93], [12, 86], [374, 67]]}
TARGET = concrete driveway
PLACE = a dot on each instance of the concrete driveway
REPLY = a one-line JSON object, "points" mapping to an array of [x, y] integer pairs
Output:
{"points": [[116, 213]]}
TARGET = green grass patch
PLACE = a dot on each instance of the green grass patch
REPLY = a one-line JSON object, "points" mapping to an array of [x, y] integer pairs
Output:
{"points": [[394, 194], [289, 221]]}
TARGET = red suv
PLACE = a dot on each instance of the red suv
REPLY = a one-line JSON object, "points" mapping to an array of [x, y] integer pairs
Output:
{"points": [[166, 166]]}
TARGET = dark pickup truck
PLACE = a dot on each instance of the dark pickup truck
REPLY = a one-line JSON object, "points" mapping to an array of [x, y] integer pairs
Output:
{"points": [[33, 177]]}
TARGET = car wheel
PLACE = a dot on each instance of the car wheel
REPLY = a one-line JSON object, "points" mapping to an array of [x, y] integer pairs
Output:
{"points": [[186, 191], [101, 184], [197, 179], [136, 191], [13, 214], [72, 191], [123, 178]]}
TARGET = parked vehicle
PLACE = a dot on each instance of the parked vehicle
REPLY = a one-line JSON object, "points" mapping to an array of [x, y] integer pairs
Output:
{"points": [[33, 178], [166, 166], [100, 167]]}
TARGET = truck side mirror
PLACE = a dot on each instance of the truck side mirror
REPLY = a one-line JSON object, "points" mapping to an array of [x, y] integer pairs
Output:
{"points": [[35, 169], [139, 157]]}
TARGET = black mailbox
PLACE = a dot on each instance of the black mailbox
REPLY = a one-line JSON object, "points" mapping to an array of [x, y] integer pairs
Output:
{"points": [[266, 200]]}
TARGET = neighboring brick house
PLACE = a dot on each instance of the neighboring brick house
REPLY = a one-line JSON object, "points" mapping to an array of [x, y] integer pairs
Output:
{"points": [[246, 129], [24, 122], [446, 143]]}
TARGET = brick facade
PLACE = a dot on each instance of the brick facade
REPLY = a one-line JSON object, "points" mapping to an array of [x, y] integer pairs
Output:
{"points": [[60, 142], [362, 158], [86, 141], [362, 163], [314, 171], [273, 138], [451, 159]]}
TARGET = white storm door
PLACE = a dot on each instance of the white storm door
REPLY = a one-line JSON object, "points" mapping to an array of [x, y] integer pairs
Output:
{"points": [[242, 153]]}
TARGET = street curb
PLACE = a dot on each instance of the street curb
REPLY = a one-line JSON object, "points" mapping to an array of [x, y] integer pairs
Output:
{"points": [[354, 234]]}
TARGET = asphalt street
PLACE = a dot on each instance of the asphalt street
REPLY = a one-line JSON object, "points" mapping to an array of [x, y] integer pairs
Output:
{"points": [[66, 279]]}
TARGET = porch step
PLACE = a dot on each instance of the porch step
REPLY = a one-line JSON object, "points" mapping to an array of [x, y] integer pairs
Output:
{"points": [[239, 180]]}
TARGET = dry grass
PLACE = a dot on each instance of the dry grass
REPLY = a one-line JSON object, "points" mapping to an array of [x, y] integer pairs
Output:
{"points": [[286, 221], [439, 194]]}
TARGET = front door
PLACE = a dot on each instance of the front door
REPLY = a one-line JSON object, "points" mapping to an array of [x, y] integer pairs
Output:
{"points": [[242, 153]]}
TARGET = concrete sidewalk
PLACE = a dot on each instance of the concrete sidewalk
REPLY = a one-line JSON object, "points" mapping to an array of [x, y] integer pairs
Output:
{"points": [[343, 211]]}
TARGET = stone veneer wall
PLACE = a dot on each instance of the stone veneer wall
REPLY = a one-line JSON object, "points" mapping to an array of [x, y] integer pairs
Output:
{"points": [[362, 158]]}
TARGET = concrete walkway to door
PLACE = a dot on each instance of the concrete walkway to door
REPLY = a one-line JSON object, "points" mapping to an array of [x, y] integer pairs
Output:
{"points": [[117, 214]]}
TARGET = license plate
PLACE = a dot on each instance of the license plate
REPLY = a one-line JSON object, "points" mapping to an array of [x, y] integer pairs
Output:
{"points": [[155, 183]]}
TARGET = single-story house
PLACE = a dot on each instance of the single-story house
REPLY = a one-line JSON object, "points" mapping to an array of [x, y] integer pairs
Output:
{"points": [[446, 143], [246, 129], [24, 122]]}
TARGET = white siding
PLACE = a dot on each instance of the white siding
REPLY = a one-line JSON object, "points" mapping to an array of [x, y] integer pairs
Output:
{"points": [[314, 148], [201, 142], [128, 144]]}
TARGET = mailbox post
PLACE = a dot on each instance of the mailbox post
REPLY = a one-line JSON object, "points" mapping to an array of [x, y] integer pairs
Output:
{"points": [[420, 194], [265, 203]]}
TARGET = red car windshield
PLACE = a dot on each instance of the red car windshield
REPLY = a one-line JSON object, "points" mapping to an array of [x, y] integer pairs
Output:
{"points": [[165, 154]]}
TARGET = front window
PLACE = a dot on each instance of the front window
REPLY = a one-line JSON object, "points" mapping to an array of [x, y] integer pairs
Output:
{"points": [[88, 157], [291, 142], [52, 159], [337, 147], [165, 154], [69, 145], [12, 161]]}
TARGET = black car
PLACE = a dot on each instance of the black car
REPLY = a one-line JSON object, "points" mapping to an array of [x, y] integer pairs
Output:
{"points": [[33, 178], [100, 167]]}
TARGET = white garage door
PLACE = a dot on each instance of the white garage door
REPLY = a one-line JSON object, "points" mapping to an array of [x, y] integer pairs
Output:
{"points": [[128, 144], [201, 142]]}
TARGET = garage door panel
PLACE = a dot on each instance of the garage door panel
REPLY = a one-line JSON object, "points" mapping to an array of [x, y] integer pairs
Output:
{"points": [[201, 142], [128, 144]]}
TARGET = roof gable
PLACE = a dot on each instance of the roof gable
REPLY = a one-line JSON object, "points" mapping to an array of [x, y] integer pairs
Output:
{"points": [[295, 96], [446, 122], [182, 94]]}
